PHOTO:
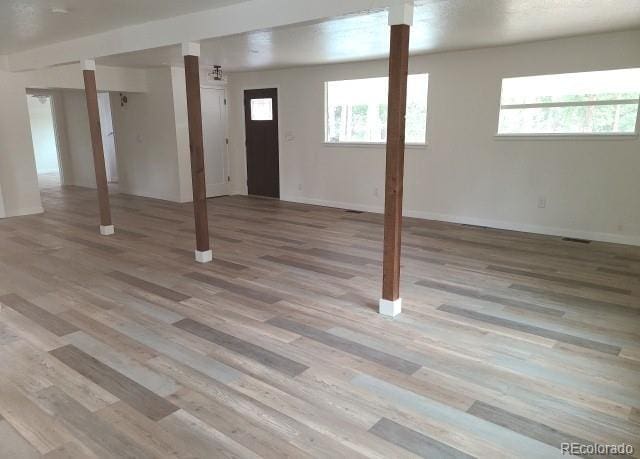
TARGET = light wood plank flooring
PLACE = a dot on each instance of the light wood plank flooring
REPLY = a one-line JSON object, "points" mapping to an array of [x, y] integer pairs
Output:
{"points": [[509, 344]]}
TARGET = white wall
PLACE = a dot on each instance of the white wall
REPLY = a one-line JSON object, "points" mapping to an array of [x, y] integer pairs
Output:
{"points": [[18, 177], [43, 134], [70, 110], [151, 135], [146, 145], [464, 174], [181, 122], [77, 155], [70, 77]]}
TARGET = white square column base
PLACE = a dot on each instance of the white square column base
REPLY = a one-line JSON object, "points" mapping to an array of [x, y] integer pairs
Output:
{"points": [[107, 230], [390, 308], [204, 257]]}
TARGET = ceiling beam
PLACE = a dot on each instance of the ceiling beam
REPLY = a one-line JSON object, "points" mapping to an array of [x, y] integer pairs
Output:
{"points": [[218, 22]]}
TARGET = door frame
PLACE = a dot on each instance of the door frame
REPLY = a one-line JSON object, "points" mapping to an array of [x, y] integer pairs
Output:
{"points": [[58, 126], [245, 186], [227, 163], [115, 142]]}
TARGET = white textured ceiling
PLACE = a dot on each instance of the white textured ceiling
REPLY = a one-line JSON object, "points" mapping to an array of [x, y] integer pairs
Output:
{"points": [[439, 25], [26, 24]]}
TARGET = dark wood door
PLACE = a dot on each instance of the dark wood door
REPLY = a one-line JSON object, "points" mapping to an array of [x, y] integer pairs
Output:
{"points": [[263, 156]]}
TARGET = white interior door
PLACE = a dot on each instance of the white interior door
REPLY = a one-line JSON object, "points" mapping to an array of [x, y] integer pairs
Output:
{"points": [[108, 139], [214, 127]]}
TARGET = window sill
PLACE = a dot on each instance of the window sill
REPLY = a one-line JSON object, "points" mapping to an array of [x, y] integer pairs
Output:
{"points": [[412, 146], [585, 136]]}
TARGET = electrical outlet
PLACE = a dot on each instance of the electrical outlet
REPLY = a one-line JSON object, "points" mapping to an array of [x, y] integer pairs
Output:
{"points": [[376, 192], [542, 202], [299, 186]]}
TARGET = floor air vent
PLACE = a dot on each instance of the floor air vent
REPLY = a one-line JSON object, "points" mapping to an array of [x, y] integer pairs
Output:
{"points": [[573, 239], [349, 211]]}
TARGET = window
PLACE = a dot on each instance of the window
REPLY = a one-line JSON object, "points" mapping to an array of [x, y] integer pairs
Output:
{"points": [[356, 110], [261, 110], [603, 102]]}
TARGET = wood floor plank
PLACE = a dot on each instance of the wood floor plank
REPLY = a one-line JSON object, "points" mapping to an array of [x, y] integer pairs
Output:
{"points": [[53, 323], [264, 356], [30, 421], [382, 358], [71, 450], [142, 399], [333, 255], [577, 301], [479, 295], [415, 441], [197, 361], [560, 280], [157, 383], [12, 445], [519, 444], [149, 286], [524, 426], [200, 439], [278, 350], [241, 428], [147, 433], [288, 261], [525, 328], [241, 290], [100, 436]]}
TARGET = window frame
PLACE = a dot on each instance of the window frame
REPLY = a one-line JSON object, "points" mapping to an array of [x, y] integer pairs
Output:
{"points": [[566, 135], [349, 144], [270, 110]]}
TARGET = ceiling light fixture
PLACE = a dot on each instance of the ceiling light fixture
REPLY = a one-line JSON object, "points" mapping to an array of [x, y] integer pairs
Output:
{"points": [[59, 10], [216, 73]]}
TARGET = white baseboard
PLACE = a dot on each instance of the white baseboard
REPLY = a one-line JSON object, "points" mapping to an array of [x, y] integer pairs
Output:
{"points": [[217, 189], [147, 194], [23, 211], [335, 204], [497, 224]]}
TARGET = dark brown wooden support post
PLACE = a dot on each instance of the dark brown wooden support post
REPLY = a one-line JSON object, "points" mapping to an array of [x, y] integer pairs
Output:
{"points": [[89, 74], [400, 18], [191, 53]]}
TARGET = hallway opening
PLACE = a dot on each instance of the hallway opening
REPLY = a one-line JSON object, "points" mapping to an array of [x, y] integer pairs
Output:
{"points": [[45, 145]]}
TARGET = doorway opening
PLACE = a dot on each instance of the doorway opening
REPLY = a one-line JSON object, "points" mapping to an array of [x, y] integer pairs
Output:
{"points": [[108, 137], [45, 145], [263, 152]]}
